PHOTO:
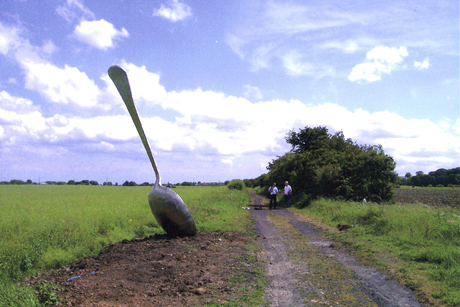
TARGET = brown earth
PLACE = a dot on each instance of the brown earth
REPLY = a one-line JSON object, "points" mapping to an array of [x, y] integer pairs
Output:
{"points": [[286, 257], [157, 271]]}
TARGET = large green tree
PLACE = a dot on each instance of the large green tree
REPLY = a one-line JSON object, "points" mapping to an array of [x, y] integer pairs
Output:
{"points": [[329, 165]]}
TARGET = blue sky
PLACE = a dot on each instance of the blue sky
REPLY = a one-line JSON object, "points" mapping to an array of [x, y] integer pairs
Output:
{"points": [[218, 86]]}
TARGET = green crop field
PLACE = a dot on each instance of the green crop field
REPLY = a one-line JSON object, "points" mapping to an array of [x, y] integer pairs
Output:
{"points": [[44, 227], [412, 241]]}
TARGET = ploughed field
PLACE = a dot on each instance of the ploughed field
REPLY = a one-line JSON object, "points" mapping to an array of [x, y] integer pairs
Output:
{"points": [[430, 196]]}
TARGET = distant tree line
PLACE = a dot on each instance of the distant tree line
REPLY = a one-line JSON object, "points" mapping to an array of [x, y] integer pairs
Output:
{"points": [[70, 182], [107, 183], [83, 182], [321, 164], [16, 181], [439, 178]]}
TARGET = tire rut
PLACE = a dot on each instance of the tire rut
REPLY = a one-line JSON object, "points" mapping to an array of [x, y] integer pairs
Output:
{"points": [[302, 269]]}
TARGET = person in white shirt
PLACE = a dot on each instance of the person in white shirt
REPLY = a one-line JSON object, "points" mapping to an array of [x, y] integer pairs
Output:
{"points": [[287, 194], [273, 192]]}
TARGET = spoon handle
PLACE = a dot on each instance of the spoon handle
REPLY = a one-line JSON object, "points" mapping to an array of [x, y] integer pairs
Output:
{"points": [[120, 79]]}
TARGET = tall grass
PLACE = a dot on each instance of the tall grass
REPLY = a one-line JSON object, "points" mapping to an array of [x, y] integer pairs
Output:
{"points": [[424, 240], [44, 227]]}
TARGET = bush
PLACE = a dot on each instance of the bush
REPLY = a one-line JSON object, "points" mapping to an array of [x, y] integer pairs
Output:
{"points": [[329, 165], [304, 200], [236, 185]]}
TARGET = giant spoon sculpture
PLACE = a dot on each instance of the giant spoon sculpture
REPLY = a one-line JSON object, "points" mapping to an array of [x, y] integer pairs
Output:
{"points": [[167, 206]]}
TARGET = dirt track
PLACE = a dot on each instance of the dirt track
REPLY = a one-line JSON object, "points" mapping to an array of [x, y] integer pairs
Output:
{"points": [[301, 269]]}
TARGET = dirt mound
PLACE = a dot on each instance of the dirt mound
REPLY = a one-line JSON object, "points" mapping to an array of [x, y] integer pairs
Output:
{"points": [[157, 271]]}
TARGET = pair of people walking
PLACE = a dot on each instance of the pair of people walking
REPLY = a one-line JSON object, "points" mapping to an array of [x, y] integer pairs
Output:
{"points": [[273, 190]]}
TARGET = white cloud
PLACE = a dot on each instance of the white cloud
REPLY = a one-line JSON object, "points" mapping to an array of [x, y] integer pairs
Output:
{"points": [[380, 60], [252, 92], [208, 124], [390, 56], [145, 85], [176, 11], [326, 34], [215, 119], [275, 29], [19, 105], [49, 47], [14, 46], [99, 33], [68, 85], [228, 161], [422, 65], [346, 46], [213, 122], [9, 38], [74, 9], [296, 64]]}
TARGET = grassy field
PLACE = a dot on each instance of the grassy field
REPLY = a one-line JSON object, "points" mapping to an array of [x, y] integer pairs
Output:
{"points": [[416, 243], [44, 227]]}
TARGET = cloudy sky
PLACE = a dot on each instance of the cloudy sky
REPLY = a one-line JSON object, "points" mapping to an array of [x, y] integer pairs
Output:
{"points": [[219, 84]]}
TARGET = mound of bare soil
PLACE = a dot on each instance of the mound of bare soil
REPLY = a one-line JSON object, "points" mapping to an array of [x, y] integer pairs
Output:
{"points": [[157, 271]]}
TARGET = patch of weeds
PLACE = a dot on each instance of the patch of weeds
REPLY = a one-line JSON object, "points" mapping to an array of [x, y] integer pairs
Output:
{"points": [[412, 284], [450, 298], [234, 280], [247, 282], [47, 295], [12, 295], [358, 246]]}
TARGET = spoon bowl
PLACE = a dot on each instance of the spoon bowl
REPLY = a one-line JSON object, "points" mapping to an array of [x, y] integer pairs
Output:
{"points": [[167, 206], [171, 212]]}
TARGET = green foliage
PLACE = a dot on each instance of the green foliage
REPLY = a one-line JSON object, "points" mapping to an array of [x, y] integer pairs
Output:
{"points": [[250, 183], [47, 295], [425, 239], [236, 185], [12, 296], [17, 181], [439, 178], [325, 165], [261, 181], [303, 200]]}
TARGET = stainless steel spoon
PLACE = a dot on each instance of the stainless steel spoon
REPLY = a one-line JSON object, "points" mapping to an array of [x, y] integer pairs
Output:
{"points": [[167, 206]]}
